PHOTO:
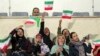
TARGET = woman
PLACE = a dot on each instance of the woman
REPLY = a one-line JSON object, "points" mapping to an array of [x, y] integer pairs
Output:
{"points": [[65, 32], [39, 48], [45, 32], [60, 48], [19, 42], [76, 47]]}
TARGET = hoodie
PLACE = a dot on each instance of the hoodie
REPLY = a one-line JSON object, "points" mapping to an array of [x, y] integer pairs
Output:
{"points": [[65, 51]]}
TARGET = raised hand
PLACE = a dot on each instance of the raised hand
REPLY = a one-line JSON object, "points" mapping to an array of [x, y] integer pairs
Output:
{"points": [[59, 50], [60, 21], [43, 15]]}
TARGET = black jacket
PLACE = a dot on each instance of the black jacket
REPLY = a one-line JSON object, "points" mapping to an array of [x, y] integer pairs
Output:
{"points": [[88, 48], [19, 43], [73, 51]]}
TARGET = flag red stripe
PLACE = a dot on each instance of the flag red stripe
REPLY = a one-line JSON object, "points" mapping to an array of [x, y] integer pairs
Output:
{"points": [[67, 17], [29, 22], [48, 8]]}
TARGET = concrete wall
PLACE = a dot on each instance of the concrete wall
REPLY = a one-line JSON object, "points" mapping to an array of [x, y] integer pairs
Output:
{"points": [[82, 26]]}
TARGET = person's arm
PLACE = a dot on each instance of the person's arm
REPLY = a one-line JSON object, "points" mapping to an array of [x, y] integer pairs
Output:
{"points": [[15, 30], [65, 52], [42, 25], [59, 27], [55, 51], [54, 54]]}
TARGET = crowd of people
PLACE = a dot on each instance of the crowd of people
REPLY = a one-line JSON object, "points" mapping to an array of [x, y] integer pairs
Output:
{"points": [[66, 43]]}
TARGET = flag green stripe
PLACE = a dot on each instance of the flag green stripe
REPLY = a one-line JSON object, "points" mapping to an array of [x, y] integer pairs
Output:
{"points": [[3, 40], [97, 41], [48, 2], [37, 19], [67, 11]]}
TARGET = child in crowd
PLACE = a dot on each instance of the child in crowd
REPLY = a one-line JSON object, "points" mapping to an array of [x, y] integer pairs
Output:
{"points": [[39, 48]]}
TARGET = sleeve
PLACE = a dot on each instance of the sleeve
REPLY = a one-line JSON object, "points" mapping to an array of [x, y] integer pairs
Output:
{"points": [[13, 32], [59, 30], [42, 28], [54, 54], [65, 52], [53, 51]]}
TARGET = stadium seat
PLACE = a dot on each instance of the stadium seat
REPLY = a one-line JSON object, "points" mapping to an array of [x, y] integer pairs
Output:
{"points": [[19, 14], [96, 13], [57, 14], [80, 14], [3, 14]]}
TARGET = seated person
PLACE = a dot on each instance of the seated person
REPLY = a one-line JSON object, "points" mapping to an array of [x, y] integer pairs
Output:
{"points": [[60, 48], [39, 48]]}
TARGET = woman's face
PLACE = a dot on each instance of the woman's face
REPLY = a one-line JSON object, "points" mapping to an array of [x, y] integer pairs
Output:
{"points": [[75, 37], [66, 32], [20, 33], [46, 31], [61, 40]]}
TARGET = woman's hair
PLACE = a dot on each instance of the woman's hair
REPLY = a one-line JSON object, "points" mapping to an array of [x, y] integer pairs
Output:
{"points": [[65, 29], [59, 37], [72, 34], [39, 35], [18, 35], [35, 8]]}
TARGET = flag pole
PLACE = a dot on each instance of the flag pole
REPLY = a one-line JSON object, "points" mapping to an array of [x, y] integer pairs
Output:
{"points": [[93, 6], [9, 7]]}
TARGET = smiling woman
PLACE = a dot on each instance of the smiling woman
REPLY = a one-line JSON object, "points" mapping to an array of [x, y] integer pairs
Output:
{"points": [[60, 48]]}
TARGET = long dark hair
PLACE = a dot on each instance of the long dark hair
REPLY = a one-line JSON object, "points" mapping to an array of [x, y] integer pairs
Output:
{"points": [[65, 29], [17, 36]]}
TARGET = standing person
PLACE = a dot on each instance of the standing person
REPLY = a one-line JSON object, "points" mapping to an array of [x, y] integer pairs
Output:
{"points": [[76, 47], [45, 32], [60, 48], [65, 32], [39, 48], [35, 12]]}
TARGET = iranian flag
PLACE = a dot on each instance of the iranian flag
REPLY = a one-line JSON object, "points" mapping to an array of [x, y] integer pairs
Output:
{"points": [[48, 5], [32, 21], [4, 43], [67, 14], [97, 42], [29, 22]]}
